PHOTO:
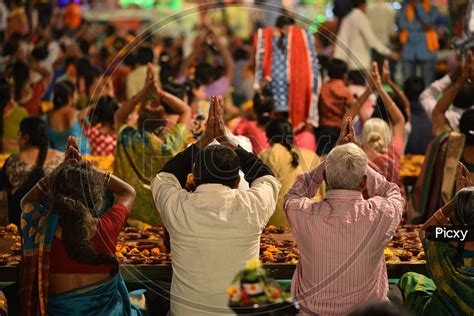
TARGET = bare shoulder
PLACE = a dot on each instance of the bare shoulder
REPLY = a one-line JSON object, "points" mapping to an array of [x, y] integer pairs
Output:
{"points": [[54, 154]]}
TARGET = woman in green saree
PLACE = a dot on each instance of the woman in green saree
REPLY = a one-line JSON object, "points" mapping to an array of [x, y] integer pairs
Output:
{"points": [[142, 151], [69, 265], [434, 187], [450, 291]]}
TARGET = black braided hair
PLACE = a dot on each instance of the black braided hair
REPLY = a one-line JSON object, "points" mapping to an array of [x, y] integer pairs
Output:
{"points": [[462, 215], [21, 74], [104, 110], [5, 92], [36, 131], [280, 131], [75, 207], [263, 105], [280, 23], [63, 92]]}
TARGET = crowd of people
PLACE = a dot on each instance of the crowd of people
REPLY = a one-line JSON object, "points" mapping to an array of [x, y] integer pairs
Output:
{"points": [[285, 128]]}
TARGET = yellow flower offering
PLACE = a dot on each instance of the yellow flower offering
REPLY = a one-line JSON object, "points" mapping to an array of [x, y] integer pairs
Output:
{"points": [[253, 264]]}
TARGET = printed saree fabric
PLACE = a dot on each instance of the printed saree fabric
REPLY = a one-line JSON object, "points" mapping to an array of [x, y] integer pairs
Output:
{"points": [[139, 156], [451, 289], [108, 297], [300, 68], [434, 186]]}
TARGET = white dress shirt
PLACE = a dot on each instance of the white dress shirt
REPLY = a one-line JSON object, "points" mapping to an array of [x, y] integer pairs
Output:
{"points": [[214, 231], [429, 99], [382, 18], [355, 41]]}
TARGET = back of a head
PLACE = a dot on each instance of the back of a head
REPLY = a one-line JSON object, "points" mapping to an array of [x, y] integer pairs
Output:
{"points": [[284, 20], [175, 89], [84, 46], [463, 207], [40, 53], [151, 118], [21, 74], [380, 110], [358, 3], [337, 69], [144, 55], [104, 53], [62, 94], [35, 131], [263, 106], [217, 164], [466, 126], [377, 134], [345, 166], [356, 77], [130, 60], [465, 97], [241, 54], [83, 65], [280, 131], [413, 87], [75, 194], [168, 42], [205, 73], [189, 87], [90, 75], [104, 110], [66, 178]]}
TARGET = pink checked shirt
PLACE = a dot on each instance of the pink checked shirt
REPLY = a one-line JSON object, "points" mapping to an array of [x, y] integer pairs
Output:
{"points": [[341, 242]]}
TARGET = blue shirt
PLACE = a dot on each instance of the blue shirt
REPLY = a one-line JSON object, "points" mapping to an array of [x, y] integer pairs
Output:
{"points": [[416, 48]]}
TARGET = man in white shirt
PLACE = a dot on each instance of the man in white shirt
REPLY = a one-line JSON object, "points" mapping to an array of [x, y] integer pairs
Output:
{"points": [[136, 77], [215, 229], [382, 19], [463, 101], [356, 39]]}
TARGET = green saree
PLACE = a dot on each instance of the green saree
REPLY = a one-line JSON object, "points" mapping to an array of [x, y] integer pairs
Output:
{"points": [[449, 292], [139, 156]]}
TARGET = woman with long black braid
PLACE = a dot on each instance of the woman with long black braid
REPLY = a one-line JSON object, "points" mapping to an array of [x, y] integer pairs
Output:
{"points": [[21, 171], [450, 263], [286, 162], [76, 260]]}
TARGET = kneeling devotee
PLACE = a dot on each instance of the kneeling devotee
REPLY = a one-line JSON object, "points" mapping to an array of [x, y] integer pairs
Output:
{"points": [[216, 228], [342, 239]]}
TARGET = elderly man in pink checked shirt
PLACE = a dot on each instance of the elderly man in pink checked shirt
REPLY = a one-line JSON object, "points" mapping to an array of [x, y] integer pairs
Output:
{"points": [[342, 239]]}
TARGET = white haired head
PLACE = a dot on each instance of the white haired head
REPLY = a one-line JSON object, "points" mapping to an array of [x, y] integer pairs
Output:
{"points": [[377, 134], [346, 166]]}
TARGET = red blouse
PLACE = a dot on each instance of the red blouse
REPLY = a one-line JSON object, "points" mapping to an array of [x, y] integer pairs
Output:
{"points": [[104, 240]]}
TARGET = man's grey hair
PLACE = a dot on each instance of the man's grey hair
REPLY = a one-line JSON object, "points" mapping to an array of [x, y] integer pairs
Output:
{"points": [[345, 167]]}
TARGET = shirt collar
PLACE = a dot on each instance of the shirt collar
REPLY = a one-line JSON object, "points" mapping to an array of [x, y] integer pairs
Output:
{"points": [[212, 187], [338, 194]]}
